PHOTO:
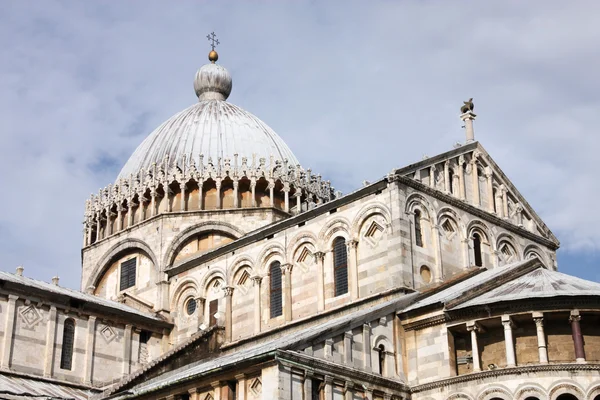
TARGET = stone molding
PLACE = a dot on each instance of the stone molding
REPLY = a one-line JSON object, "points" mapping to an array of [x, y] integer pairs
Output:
{"points": [[479, 376], [425, 323]]}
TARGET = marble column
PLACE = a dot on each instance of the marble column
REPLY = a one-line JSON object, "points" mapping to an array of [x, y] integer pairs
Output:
{"points": [[241, 387], [328, 387], [368, 394], [236, 199], [461, 178], [504, 201], [194, 394], [253, 190], [577, 336], [499, 204], [307, 384], [348, 348], [89, 350], [490, 188], [320, 259], [152, 202], [286, 269], [200, 304], [286, 197], [200, 195], [298, 196], [50, 340], [216, 390], [218, 186], [367, 347], [508, 341], [349, 390], [9, 327], [538, 318], [182, 202], [352, 246], [437, 244], [127, 350], [474, 328], [228, 310], [432, 176], [475, 182], [271, 194], [257, 308]]}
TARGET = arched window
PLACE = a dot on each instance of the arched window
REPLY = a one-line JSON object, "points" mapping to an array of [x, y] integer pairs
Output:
{"points": [[340, 266], [381, 358], [66, 357], [418, 233], [275, 289], [477, 249]]}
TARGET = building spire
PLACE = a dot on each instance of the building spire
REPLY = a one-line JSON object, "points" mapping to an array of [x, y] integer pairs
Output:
{"points": [[213, 56], [468, 116]]}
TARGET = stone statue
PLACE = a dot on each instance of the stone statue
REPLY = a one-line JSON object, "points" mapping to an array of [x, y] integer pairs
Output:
{"points": [[468, 106]]}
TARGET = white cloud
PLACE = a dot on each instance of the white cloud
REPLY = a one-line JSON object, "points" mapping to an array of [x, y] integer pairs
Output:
{"points": [[374, 85]]}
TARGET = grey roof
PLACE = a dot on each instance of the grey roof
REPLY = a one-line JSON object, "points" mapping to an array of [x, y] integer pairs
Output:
{"points": [[75, 294], [211, 128], [16, 387], [287, 341], [458, 289], [539, 283]]}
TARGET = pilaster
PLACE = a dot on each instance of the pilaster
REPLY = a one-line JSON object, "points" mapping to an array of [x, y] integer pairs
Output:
{"points": [[50, 340], [89, 350], [9, 327], [256, 280], [320, 258]]}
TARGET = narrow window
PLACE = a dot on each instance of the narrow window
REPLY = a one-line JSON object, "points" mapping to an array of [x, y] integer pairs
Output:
{"points": [[418, 234], [213, 308], [381, 351], [128, 274], [66, 357], [477, 249], [317, 389], [275, 289], [340, 266], [450, 180], [144, 339]]}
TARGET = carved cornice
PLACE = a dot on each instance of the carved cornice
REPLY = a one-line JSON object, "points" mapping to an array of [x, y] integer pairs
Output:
{"points": [[425, 323], [492, 374]]}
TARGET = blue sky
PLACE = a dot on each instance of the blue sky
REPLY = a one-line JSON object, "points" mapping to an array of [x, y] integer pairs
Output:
{"points": [[354, 88]]}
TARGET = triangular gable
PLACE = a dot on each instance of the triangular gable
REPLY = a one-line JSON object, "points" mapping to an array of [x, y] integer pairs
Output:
{"points": [[431, 172]]}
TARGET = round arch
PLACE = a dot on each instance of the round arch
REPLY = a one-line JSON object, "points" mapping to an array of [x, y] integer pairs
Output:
{"points": [[593, 391], [213, 273], [481, 227], [271, 250], [242, 262], [510, 240], [208, 226], [418, 201], [368, 211], [460, 396], [496, 391], [566, 387], [382, 340], [301, 239], [337, 227], [530, 390], [448, 213], [533, 251], [125, 246], [187, 285]]}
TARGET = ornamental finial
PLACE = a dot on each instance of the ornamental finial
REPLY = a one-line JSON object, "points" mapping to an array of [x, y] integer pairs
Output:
{"points": [[213, 56]]}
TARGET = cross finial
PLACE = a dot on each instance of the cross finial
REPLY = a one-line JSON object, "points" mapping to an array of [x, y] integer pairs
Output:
{"points": [[212, 39]]}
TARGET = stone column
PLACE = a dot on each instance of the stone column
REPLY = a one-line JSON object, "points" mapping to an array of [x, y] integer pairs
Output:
{"points": [[153, 202], [241, 386], [218, 186], [200, 195], [253, 190], [367, 347], [127, 350], [119, 217], [108, 231], [182, 202], [9, 327], [348, 348], [465, 248], [236, 199], [508, 341], [228, 309], [538, 318], [307, 384], [286, 269], [349, 390], [368, 394], [89, 350], [447, 177], [216, 390], [50, 340], [353, 268], [200, 304], [328, 387], [98, 226], [328, 349], [490, 188], [468, 119], [499, 204], [474, 328], [475, 177], [257, 309], [194, 394], [286, 197], [271, 194], [298, 195], [504, 201], [130, 212], [320, 259], [432, 176], [577, 337], [461, 178], [437, 243]]}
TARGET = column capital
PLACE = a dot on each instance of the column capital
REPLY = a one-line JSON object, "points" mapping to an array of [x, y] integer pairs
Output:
{"points": [[328, 379], [200, 299], [228, 291], [352, 243], [194, 391], [287, 267], [12, 298], [319, 255], [507, 322], [240, 377], [215, 384], [474, 326], [256, 279]]}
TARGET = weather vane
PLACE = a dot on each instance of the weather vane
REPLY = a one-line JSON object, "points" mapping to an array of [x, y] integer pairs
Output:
{"points": [[211, 38]]}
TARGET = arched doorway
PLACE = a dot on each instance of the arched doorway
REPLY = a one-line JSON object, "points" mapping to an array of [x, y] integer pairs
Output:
{"points": [[567, 396]]}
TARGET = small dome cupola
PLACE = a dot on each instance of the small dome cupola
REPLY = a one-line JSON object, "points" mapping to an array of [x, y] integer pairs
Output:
{"points": [[212, 82]]}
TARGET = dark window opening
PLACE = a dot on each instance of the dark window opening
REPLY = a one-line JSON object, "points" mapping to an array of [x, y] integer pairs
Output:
{"points": [[477, 249], [381, 351], [66, 357], [231, 390], [316, 389], [190, 306], [418, 234], [275, 289], [145, 336], [213, 308], [128, 274], [450, 180], [567, 396], [340, 266]]}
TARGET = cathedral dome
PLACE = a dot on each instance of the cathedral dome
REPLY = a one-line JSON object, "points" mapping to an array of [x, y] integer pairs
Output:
{"points": [[212, 128]]}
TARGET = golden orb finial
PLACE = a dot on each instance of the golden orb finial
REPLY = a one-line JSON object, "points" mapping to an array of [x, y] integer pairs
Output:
{"points": [[213, 56]]}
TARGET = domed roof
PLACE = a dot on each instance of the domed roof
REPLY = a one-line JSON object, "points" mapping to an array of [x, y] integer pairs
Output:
{"points": [[213, 128]]}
